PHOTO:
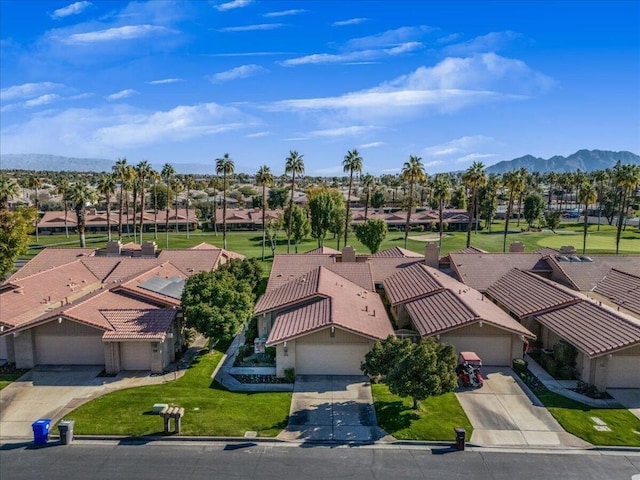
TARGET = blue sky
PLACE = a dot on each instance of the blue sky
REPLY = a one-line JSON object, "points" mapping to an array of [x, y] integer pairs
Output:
{"points": [[453, 82]]}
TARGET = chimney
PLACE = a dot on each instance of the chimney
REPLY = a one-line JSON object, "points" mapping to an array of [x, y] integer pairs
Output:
{"points": [[516, 247], [348, 254], [114, 248], [432, 254], [148, 249], [567, 250]]}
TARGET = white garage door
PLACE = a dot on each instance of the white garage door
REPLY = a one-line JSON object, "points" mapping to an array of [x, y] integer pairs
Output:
{"points": [[330, 359], [624, 372], [493, 350], [135, 356], [69, 350]]}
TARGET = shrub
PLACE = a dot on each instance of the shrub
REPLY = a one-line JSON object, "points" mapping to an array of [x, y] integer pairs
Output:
{"points": [[290, 375], [565, 372], [251, 332], [565, 353], [519, 365], [270, 353]]}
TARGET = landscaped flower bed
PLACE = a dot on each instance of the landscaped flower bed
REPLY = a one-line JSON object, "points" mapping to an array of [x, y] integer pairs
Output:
{"points": [[259, 379]]}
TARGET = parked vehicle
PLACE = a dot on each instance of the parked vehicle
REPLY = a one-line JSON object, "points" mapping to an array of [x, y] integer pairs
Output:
{"points": [[468, 370]]}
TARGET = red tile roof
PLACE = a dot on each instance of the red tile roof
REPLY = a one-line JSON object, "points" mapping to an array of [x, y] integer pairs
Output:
{"points": [[191, 261], [138, 324], [622, 289], [323, 251], [383, 267], [410, 283], [49, 258], [584, 276], [396, 252]]}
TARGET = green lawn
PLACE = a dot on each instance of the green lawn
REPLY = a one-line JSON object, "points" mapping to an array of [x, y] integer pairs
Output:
{"points": [[210, 409], [576, 418], [434, 420]]}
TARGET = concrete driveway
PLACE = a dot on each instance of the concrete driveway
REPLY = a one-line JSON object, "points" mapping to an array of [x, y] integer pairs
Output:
{"points": [[332, 408], [502, 414], [53, 391], [628, 398]]}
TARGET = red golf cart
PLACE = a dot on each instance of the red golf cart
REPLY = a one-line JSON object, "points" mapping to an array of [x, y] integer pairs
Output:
{"points": [[468, 370]]}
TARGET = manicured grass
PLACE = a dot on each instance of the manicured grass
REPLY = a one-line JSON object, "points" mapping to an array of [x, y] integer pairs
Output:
{"points": [[210, 409], [7, 379], [576, 417], [434, 420]]}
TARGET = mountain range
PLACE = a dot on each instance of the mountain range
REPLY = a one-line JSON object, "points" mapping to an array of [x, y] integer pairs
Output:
{"points": [[585, 160]]}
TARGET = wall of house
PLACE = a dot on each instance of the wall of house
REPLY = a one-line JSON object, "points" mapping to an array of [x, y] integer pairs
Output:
{"points": [[338, 336], [157, 356], [112, 357], [285, 357], [24, 346], [599, 371], [4, 351], [167, 352], [401, 316], [265, 322]]}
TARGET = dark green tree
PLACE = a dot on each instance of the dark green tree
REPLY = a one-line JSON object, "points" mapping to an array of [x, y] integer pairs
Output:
{"points": [[552, 219], [300, 226], [15, 228], [278, 197], [325, 204], [378, 198], [533, 208], [372, 233], [247, 269]]}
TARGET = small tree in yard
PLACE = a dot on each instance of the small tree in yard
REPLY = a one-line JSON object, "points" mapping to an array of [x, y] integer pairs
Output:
{"points": [[372, 233], [416, 370], [552, 219], [217, 304], [533, 207], [248, 270]]}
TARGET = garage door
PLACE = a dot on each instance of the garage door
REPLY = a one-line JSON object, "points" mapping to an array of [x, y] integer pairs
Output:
{"points": [[69, 350], [328, 359], [135, 356], [493, 350], [624, 372]]}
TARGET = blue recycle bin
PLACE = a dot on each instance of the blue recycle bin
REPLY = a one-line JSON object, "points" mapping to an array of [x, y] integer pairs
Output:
{"points": [[41, 431]]}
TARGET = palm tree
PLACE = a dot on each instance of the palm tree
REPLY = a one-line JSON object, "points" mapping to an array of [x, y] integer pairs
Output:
{"points": [[155, 178], [79, 196], [143, 172], [9, 188], [213, 185], [552, 180], [524, 180], [225, 167], [586, 194], [62, 188], [352, 162], [474, 177], [177, 188], [264, 177], [368, 184], [107, 187], [412, 172], [129, 183], [294, 166], [514, 182], [600, 176], [34, 182], [627, 178], [442, 192], [119, 170], [167, 173], [189, 184]]}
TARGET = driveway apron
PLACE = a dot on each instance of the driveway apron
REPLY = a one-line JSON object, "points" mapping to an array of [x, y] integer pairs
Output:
{"points": [[332, 408], [503, 415]]}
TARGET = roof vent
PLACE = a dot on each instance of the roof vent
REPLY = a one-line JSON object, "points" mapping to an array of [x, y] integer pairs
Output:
{"points": [[574, 258], [562, 258], [584, 258]]}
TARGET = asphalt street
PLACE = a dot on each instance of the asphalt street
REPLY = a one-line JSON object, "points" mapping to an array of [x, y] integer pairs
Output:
{"points": [[207, 460]]}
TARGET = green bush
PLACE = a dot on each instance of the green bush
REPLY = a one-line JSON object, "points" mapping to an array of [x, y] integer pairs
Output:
{"points": [[244, 351], [519, 365], [565, 354], [565, 372], [290, 375], [270, 353], [251, 332]]}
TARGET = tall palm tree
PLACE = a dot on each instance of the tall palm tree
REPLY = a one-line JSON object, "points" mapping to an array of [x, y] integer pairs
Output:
{"points": [[587, 194], [155, 178], [524, 182], [79, 196], [514, 183], [143, 172], [9, 189], [213, 185], [119, 171], [441, 191], [225, 167], [107, 187], [189, 184], [412, 173], [177, 188], [294, 165], [129, 183], [62, 188], [627, 178], [167, 173], [264, 177], [352, 162], [600, 176], [552, 180], [368, 184], [35, 183], [474, 177]]}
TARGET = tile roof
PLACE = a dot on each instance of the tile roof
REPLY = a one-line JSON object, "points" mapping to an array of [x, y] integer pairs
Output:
{"points": [[323, 251], [410, 283], [480, 270], [191, 261], [396, 252], [138, 324], [439, 312], [526, 293], [383, 267], [49, 258], [593, 329], [286, 267], [165, 270], [622, 289], [584, 276], [297, 289]]}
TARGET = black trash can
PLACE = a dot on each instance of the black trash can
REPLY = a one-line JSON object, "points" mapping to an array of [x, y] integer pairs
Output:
{"points": [[461, 435], [66, 431], [41, 430]]}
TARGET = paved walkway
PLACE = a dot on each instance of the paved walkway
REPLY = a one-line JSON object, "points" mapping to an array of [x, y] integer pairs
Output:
{"points": [[503, 414], [332, 408]]}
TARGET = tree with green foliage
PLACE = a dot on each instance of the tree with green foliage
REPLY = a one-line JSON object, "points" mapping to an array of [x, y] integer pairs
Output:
{"points": [[372, 233], [474, 178], [412, 173], [294, 165], [107, 187], [368, 185], [513, 181], [264, 177], [378, 198], [587, 194], [552, 219], [533, 208], [417, 370], [352, 163], [278, 197], [15, 228], [325, 205], [626, 179], [79, 196], [300, 226], [441, 191], [217, 304], [225, 167], [247, 269], [273, 228], [9, 189]]}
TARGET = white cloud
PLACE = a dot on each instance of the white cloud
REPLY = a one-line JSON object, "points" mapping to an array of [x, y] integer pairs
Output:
{"points": [[350, 21], [319, 58], [242, 71], [284, 13], [458, 145], [73, 9], [28, 90], [223, 7], [388, 38], [122, 94], [258, 134], [41, 100], [473, 157], [491, 42], [164, 81], [372, 145], [448, 38], [128, 32], [247, 54], [343, 131], [250, 28]]}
